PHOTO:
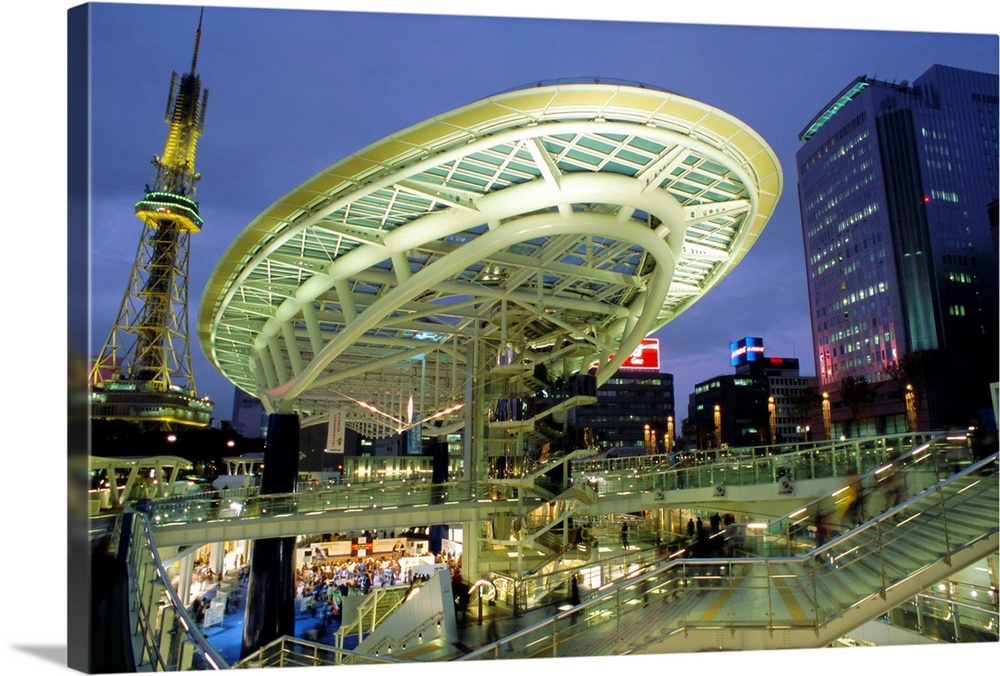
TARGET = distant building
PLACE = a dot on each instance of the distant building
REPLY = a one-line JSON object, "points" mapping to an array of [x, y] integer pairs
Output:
{"points": [[895, 184], [631, 411], [633, 406], [249, 417], [758, 404], [784, 391]]}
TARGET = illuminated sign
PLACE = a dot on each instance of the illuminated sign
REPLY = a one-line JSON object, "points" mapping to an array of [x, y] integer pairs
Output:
{"points": [[645, 357], [335, 431], [746, 349]]}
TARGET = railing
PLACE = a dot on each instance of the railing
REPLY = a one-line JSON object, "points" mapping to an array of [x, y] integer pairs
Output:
{"points": [[884, 486], [740, 467], [414, 638], [204, 508], [808, 591], [170, 637], [294, 652], [376, 606], [608, 477], [600, 573], [940, 617]]}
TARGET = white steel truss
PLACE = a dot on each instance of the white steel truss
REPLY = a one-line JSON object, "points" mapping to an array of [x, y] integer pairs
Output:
{"points": [[555, 225]]}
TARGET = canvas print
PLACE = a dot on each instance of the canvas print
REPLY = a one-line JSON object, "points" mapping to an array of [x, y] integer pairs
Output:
{"points": [[418, 339]]}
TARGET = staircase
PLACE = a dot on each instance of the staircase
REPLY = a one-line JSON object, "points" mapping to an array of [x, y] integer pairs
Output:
{"points": [[804, 601]]}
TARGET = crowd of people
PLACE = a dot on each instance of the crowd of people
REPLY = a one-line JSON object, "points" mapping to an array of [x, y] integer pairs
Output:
{"points": [[322, 585]]}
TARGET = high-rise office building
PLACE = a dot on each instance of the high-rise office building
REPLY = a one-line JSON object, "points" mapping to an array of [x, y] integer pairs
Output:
{"points": [[895, 184]]}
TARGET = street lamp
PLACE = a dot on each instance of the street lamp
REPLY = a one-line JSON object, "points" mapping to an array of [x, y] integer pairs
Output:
{"points": [[826, 414], [669, 441], [911, 407], [772, 415], [718, 426]]}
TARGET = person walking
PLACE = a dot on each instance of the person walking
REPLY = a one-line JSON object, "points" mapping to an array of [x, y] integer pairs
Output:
{"points": [[624, 535]]}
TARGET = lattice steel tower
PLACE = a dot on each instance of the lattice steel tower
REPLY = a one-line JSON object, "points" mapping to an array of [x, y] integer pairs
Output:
{"points": [[144, 372]]}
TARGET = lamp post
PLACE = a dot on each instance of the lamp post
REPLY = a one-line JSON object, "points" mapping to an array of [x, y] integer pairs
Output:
{"points": [[826, 414], [668, 443], [911, 408], [772, 416], [718, 426]]}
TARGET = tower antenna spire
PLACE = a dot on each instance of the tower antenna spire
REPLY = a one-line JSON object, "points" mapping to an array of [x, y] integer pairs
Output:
{"points": [[197, 42]]}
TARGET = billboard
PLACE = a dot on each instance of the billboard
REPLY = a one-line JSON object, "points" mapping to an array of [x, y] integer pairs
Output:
{"points": [[645, 357], [746, 350]]}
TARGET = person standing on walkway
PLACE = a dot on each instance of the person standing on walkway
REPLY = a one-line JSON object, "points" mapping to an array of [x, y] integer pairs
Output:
{"points": [[624, 535], [574, 595], [574, 590]]}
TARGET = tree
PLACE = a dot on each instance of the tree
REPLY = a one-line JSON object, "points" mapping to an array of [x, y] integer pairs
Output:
{"points": [[807, 401], [859, 396], [910, 370]]}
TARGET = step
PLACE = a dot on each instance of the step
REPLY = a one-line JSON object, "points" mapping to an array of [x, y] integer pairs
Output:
{"points": [[904, 551], [977, 518]]}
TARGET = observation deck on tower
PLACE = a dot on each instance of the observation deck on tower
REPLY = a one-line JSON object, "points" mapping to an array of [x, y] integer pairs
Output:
{"points": [[429, 275]]}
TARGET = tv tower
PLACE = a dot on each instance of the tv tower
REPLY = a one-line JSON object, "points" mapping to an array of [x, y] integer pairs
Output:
{"points": [[143, 373]]}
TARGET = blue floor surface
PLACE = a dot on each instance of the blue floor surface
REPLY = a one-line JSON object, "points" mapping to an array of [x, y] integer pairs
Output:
{"points": [[473, 631], [227, 638]]}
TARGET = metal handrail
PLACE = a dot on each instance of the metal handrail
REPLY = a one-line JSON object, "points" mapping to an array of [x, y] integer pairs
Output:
{"points": [[679, 576], [170, 635], [288, 651], [202, 508]]}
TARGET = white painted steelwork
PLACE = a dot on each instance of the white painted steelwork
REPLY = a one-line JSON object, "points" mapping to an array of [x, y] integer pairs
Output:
{"points": [[555, 224]]}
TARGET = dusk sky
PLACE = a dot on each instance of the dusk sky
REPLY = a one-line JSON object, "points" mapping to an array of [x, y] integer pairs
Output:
{"points": [[294, 91]]}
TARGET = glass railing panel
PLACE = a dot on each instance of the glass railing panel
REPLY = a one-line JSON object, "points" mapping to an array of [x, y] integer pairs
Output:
{"points": [[947, 620], [862, 497], [197, 509], [170, 638], [747, 465]]}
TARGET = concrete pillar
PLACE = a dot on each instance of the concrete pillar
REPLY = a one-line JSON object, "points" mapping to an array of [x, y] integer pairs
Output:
{"points": [[216, 558], [470, 551], [270, 602], [186, 570]]}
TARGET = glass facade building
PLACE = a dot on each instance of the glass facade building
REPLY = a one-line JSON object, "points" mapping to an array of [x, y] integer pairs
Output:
{"points": [[895, 184]]}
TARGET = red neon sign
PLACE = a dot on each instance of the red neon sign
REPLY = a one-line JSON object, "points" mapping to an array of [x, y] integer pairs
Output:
{"points": [[645, 357]]}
